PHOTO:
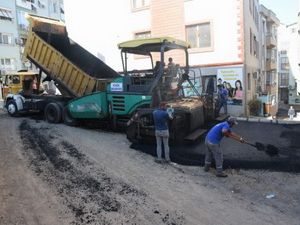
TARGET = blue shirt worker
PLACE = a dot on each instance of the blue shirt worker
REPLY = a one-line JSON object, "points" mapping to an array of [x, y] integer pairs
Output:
{"points": [[161, 117], [212, 144]]}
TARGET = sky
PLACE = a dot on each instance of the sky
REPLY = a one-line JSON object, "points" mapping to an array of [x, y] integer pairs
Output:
{"points": [[91, 25], [285, 10]]}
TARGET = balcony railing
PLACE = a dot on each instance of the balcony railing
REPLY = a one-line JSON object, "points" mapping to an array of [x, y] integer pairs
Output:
{"points": [[283, 83], [271, 64], [271, 41]]}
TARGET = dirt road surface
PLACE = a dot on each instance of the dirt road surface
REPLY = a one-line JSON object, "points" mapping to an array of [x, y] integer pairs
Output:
{"points": [[55, 174]]}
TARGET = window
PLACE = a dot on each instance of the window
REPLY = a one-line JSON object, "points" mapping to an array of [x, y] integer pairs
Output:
{"points": [[140, 4], [283, 52], [22, 22], [271, 77], [6, 39], [199, 35], [33, 8], [256, 17], [284, 63], [250, 41], [142, 35], [250, 6], [255, 46], [54, 7], [5, 14], [249, 81], [41, 4], [7, 64], [284, 79]]}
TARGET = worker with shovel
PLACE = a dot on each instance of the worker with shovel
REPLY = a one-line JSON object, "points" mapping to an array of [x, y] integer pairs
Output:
{"points": [[212, 144]]}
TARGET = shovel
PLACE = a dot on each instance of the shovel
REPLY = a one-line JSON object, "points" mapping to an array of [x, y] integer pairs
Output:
{"points": [[270, 150]]}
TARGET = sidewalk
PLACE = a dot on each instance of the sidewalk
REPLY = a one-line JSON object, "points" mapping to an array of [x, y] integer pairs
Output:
{"points": [[277, 120]]}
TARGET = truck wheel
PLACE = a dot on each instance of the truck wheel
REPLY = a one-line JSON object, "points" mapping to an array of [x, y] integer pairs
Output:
{"points": [[53, 113], [12, 108], [67, 118]]}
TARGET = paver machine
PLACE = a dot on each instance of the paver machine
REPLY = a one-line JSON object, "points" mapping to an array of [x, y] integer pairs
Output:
{"points": [[173, 86]]}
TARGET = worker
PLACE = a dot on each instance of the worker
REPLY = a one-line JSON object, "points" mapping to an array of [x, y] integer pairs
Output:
{"points": [[172, 68], [161, 117], [156, 68], [34, 86], [212, 144]]}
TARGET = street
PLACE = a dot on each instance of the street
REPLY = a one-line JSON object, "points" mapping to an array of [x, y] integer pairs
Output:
{"points": [[56, 174]]}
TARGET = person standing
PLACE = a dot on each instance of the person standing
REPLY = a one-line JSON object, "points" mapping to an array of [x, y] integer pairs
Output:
{"points": [[161, 118], [291, 112], [212, 144], [172, 69], [156, 68], [223, 97]]}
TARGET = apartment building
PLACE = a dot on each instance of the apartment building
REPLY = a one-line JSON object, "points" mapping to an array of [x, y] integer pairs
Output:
{"points": [[14, 27], [288, 64], [9, 50], [267, 82]]}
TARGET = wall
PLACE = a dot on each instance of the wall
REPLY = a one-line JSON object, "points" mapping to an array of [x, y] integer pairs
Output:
{"points": [[225, 26], [251, 61]]}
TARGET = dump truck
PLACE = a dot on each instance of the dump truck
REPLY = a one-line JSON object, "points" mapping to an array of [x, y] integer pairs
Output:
{"points": [[76, 72], [91, 90]]}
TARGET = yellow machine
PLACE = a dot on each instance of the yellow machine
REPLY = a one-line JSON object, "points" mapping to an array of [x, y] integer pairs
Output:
{"points": [[13, 83]]}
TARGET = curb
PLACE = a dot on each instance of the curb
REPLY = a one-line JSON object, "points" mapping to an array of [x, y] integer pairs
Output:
{"points": [[266, 120], [1, 103]]}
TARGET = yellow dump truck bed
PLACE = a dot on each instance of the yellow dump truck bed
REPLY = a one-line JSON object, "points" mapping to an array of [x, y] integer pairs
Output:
{"points": [[75, 69]]}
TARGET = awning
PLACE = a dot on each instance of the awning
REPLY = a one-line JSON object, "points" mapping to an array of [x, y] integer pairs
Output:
{"points": [[5, 13]]}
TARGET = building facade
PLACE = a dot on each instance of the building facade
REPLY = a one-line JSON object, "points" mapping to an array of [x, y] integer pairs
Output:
{"points": [[14, 28], [225, 42], [267, 82], [288, 66], [9, 50]]}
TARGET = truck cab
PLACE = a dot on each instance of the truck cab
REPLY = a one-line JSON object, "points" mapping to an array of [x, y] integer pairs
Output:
{"points": [[13, 83]]}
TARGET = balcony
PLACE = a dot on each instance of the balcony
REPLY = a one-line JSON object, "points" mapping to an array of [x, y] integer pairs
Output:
{"points": [[271, 41], [283, 83], [271, 64]]}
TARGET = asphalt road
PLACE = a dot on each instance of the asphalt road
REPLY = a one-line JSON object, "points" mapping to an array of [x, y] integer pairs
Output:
{"points": [[284, 137], [55, 174]]}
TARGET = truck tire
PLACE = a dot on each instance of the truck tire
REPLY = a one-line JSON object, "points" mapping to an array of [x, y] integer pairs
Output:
{"points": [[53, 113], [12, 108], [68, 119]]}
